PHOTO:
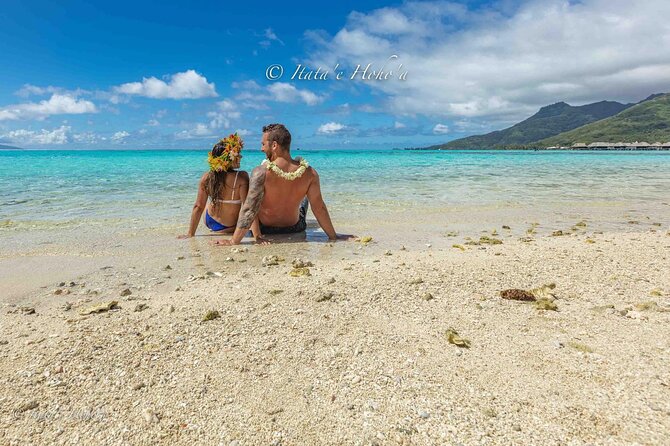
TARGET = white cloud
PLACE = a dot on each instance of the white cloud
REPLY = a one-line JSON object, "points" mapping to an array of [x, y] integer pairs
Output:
{"points": [[198, 131], [56, 136], [243, 132], [58, 104], [270, 37], [87, 138], [253, 96], [221, 118], [330, 128], [398, 125], [226, 105], [490, 62], [153, 123], [227, 111], [440, 129], [248, 85], [34, 90], [284, 92], [28, 90], [185, 85], [120, 137]]}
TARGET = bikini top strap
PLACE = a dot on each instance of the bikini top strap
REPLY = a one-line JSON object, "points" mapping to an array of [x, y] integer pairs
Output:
{"points": [[232, 194]]}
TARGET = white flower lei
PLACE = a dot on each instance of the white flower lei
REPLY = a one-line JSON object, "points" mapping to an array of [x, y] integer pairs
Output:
{"points": [[270, 165]]}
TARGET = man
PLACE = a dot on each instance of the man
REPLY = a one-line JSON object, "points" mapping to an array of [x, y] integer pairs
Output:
{"points": [[279, 191]]}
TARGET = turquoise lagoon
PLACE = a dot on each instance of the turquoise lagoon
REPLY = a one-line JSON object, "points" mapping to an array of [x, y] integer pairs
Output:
{"points": [[46, 190]]}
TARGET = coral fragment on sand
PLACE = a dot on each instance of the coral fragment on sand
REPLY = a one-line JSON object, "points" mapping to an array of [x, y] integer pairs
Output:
{"points": [[543, 292], [271, 260], [211, 315], [485, 240], [100, 308], [454, 338], [517, 294], [545, 304], [299, 263], [300, 272]]}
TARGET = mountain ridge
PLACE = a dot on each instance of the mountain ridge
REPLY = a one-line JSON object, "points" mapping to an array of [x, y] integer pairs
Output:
{"points": [[549, 120]]}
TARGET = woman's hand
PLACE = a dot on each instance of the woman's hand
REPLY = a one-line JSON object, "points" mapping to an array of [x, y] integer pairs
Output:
{"points": [[183, 236], [223, 242], [345, 237]]}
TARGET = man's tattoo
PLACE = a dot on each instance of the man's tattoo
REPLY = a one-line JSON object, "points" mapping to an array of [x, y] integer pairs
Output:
{"points": [[254, 199]]}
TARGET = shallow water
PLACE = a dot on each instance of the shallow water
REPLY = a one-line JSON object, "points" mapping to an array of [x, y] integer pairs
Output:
{"points": [[112, 190]]}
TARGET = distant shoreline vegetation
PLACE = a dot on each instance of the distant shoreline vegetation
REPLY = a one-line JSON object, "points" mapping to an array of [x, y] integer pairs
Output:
{"points": [[577, 146], [594, 126]]}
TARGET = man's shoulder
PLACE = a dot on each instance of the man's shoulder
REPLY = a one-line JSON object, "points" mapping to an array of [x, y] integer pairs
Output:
{"points": [[258, 170], [310, 170], [258, 174]]}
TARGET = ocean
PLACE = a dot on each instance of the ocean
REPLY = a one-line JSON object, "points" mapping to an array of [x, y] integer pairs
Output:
{"points": [[47, 190]]}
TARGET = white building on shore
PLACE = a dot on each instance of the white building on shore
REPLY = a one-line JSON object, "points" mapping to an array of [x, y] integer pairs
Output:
{"points": [[621, 146]]}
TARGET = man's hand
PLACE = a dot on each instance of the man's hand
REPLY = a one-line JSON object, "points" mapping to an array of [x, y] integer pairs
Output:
{"points": [[262, 241], [345, 237], [183, 236]]}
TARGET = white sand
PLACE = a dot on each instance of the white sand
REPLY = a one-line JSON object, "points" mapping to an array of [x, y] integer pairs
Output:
{"points": [[370, 365]]}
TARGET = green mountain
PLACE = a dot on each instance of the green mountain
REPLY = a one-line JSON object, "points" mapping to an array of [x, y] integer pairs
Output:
{"points": [[549, 121], [647, 121]]}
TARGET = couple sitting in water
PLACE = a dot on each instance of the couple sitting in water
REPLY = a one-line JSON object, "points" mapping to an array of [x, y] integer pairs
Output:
{"points": [[273, 201]]}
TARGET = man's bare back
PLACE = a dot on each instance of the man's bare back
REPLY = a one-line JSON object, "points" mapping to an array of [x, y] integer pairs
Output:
{"points": [[282, 198]]}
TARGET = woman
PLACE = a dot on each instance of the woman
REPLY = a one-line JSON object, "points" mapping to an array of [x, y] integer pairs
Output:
{"points": [[225, 187]]}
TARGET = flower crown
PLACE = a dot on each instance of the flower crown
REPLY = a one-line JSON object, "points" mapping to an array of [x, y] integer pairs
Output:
{"points": [[231, 154]]}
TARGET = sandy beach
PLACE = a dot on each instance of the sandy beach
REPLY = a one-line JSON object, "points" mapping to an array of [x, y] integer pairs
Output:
{"points": [[354, 353], [495, 175]]}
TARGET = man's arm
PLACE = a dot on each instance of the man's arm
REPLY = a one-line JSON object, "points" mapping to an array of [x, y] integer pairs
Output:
{"points": [[319, 208], [255, 227], [250, 207]]}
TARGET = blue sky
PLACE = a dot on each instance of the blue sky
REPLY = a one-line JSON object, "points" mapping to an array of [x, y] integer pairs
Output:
{"points": [[180, 75]]}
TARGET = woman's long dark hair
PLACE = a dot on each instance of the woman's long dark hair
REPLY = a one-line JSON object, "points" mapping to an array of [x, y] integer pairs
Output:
{"points": [[216, 181]]}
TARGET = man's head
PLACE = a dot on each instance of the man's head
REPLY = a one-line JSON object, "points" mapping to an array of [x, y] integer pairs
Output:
{"points": [[276, 139]]}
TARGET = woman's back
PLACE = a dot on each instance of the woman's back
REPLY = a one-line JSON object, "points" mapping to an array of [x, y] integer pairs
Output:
{"points": [[226, 195]]}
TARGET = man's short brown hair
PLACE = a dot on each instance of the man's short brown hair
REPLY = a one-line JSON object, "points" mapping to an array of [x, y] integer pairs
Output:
{"points": [[279, 133]]}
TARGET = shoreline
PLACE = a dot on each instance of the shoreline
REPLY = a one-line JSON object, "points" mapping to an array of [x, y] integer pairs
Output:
{"points": [[84, 246]]}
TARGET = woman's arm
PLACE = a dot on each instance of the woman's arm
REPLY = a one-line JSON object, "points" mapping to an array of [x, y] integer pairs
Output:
{"points": [[198, 207]]}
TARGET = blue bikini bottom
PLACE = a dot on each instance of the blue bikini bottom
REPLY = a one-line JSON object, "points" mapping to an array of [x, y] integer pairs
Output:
{"points": [[213, 224]]}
